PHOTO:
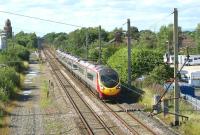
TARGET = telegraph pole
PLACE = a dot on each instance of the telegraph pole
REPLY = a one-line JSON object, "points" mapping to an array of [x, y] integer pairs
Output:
{"points": [[99, 44], [176, 89], [86, 42], [13, 38], [129, 52]]}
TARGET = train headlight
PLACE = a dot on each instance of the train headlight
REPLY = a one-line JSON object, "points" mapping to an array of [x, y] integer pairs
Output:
{"points": [[101, 87], [118, 87]]}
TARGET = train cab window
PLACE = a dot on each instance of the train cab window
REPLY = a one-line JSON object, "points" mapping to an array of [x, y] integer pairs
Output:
{"points": [[90, 76], [190, 60], [109, 77]]}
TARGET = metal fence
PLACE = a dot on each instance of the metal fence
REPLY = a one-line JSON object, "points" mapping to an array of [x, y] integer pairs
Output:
{"points": [[194, 101]]}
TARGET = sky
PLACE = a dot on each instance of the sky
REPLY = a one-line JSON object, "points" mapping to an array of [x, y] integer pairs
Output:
{"points": [[144, 14]]}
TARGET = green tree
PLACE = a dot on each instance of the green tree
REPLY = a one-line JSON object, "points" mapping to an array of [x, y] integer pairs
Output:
{"points": [[159, 74], [135, 34], [14, 57], [147, 39], [26, 40], [165, 38], [49, 38], [143, 61]]}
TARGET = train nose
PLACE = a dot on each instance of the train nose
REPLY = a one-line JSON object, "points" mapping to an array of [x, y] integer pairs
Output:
{"points": [[110, 91]]}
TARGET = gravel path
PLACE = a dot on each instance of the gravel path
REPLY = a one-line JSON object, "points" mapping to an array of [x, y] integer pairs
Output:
{"points": [[27, 116], [31, 118]]}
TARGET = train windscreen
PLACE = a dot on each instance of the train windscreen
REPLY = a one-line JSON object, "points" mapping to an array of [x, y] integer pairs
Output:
{"points": [[109, 77]]}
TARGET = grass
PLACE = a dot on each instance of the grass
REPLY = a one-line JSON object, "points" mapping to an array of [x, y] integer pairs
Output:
{"points": [[147, 99], [26, 64], [44, 100], [53, 126], [191, 127], [187, 127], [6, 108]]}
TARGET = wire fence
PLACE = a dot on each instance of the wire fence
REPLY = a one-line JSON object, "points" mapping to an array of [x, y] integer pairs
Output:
{"points": [[192, 100]]}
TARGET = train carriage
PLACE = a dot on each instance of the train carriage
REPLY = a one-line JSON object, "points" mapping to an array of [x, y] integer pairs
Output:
{"points": [[101, 79]]}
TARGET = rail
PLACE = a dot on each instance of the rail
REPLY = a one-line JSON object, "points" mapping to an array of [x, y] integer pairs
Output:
{"points": [[126, 127], [60, 78]]}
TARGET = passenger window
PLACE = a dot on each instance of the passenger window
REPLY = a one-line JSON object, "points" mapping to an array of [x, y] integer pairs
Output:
{"points": [[81, 70], [90, 76], [195, 58], [75, 66], [69, 63]]}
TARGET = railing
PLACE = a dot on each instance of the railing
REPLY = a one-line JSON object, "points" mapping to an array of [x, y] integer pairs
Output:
{"points": [[194, 101]]}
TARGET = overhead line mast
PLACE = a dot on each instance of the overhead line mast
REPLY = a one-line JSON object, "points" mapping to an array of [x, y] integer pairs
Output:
{"points": [[129, 52], [176, 89]]}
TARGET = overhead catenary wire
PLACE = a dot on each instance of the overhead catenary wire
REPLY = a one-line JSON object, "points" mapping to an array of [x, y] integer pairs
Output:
{"points": [[41, 19], [58, 22], [159, 20]]}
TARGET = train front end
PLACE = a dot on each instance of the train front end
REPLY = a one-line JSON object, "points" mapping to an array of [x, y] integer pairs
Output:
{"points": [[109, 84]]}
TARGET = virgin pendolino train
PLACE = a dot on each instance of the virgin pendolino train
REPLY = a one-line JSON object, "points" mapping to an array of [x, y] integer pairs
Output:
{"points": [[101, 79]]}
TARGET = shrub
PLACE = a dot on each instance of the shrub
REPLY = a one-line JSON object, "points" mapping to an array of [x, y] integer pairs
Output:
{"points": [[142, 62], [9, 80]]}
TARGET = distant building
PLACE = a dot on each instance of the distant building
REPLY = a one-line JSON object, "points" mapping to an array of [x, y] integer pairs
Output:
{"points": [[8, 28], [3, 40]]}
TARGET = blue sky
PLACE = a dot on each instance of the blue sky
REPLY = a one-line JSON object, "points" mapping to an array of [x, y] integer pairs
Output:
{"points": [[144, 14]]}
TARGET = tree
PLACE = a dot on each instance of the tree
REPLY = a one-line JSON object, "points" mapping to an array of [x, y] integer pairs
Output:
{"points": [[143, 61], [26, 39], [165, 37], [49, 38], [134, 32], [147, 39], [159, 74], [107, 52]]}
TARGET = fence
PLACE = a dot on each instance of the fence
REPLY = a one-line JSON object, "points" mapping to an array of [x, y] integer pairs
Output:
{"points": [[194, 101]]}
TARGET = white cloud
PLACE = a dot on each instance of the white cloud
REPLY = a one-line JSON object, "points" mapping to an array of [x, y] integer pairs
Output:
{"points": [[110, 14]]}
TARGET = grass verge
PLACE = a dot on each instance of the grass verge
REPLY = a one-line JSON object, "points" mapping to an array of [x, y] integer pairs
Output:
{"points": [[45, 100], [187, 127]]}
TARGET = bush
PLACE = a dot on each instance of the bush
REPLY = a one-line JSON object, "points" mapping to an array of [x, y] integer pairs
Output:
{"points": [[14, 57], [3, 95], [159, 75], [9, 80], [142, 62]]}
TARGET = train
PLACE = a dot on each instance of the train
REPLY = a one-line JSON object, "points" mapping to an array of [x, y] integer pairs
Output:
{"points": [[193, 59], [103, 80]]}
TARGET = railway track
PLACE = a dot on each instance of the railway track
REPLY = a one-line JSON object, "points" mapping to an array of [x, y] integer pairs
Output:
{"points": [[125, 122], [90, 119], [128, 122]]}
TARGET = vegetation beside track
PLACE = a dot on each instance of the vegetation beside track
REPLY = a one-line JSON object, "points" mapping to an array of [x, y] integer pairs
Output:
{"points": [[148, 49], [187, 127], [13, 64], [45, 100]]}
